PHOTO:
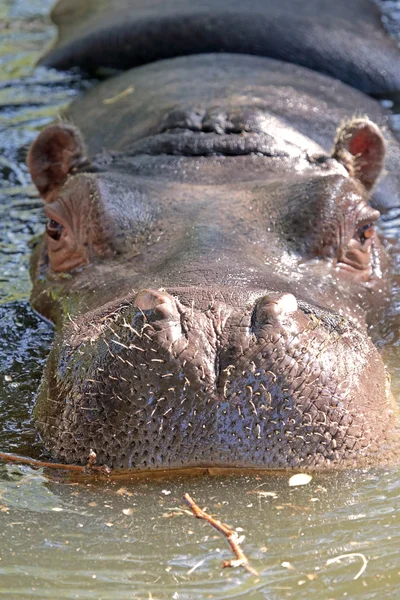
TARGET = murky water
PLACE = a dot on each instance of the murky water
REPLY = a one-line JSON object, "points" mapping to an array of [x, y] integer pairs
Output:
{"points": [[104, 540]]}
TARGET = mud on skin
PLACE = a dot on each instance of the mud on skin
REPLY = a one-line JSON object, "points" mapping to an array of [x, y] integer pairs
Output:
{"points": [[211, 260]]}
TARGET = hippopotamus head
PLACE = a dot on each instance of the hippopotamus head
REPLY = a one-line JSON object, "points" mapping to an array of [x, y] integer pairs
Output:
{"points": [[211, 274]]}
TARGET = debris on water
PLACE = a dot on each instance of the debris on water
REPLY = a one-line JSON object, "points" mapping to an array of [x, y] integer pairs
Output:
{"points": [[173, 513], [128, 511], [288, 565], [299, 479], [330, 561], [196, 566], [7, 457], [231, 535], [174, 510], [263, 494], [123, 492], [91, 460]]}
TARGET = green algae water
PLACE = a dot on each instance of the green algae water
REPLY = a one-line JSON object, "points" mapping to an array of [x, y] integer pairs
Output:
{"points": [[64, 539]]}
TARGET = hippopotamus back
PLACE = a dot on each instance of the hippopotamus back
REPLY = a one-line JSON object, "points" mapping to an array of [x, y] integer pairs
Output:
{"points": [[343, 39]]}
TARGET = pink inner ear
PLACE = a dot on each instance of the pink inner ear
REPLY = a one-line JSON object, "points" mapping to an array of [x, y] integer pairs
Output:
{"points": [[366, 144], [362, 143], [55, 153]]}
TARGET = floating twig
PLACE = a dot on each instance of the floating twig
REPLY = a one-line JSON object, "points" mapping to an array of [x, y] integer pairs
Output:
{"points": [[330, 561], [196, 566], [230, 534], [24, 460]]}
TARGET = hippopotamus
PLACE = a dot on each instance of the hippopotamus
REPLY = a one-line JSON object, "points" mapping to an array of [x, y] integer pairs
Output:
{"points": [[211, 259]]}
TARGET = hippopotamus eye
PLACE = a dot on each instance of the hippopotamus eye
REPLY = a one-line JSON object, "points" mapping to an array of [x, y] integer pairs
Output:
{"points": [[366, 232], [54, 229]]}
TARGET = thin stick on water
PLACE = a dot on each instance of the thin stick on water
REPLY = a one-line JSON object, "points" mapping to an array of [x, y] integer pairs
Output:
{"points": [[24, 460], [230, 534], [330, 561]]}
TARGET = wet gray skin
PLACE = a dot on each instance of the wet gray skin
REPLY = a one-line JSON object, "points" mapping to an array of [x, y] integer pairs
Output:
{"points": [[211, 264], [345, 40]]}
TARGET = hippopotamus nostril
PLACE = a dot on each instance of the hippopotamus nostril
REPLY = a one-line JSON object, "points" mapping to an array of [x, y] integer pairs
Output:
{"points": [[271, 307], [284, 305], [161, 313], [154, 300]]}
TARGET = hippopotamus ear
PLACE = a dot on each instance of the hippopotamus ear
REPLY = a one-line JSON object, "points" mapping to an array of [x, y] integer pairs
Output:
{"points": [[58, 151], [360, 148]]}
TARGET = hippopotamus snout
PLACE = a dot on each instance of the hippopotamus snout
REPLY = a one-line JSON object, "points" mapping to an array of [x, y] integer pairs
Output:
{"points": [[159, 383]]}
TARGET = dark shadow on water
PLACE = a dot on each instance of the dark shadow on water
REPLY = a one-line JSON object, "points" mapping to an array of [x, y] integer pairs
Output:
{"points": [[24, 344]]}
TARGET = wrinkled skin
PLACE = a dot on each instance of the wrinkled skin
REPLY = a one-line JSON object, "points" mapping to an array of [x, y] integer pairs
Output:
{"points": [[212, 268]]}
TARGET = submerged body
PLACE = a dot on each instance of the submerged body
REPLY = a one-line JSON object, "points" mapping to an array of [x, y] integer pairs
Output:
{"points": [[212, 269]]}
